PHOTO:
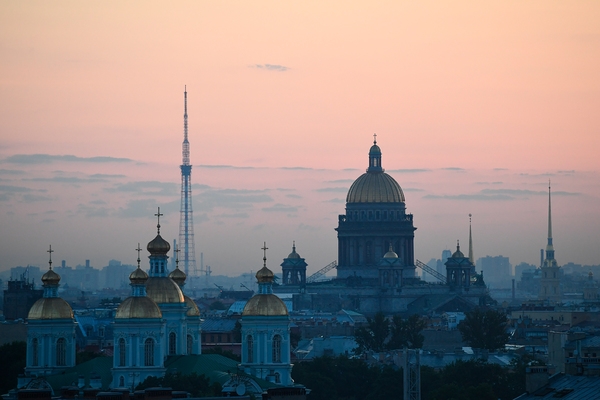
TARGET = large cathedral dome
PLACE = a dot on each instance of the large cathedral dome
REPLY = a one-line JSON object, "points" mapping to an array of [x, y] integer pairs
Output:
{"points": [[375, 186]]}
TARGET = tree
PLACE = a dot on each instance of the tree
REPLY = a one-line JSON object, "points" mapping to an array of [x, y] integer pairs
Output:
{"points": [[406, 332], [484, 329], [13, 363], [373, 336]]}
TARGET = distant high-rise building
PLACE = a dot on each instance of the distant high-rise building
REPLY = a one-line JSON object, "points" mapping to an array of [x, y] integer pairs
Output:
{"points": [[550, 281], [496, 270], [186, 221]]}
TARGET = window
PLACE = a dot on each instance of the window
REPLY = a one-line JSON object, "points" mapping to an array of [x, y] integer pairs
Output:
{"points": [[149, 352], [89, 331], [276, 348], [61, 352], [172, 343], [101, 331], [34, 350], [121, 352], [121, 381], [189, 344], [250, 348]]}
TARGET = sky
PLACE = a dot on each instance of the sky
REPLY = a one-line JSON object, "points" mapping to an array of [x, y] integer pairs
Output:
{"points": [[476, 106]]}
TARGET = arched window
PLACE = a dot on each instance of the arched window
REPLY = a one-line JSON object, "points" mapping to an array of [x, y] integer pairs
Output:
{"points": [[172, 343], [34, 350], [121, 352], [121, 381], [276, 348], [250, 346], [149, 352], [61, 352], [190, 343]]}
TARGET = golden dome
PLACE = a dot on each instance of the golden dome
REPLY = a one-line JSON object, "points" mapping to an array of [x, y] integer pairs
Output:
{"points": [[138, 277], [178, 276], [375, 187], [264, 275], [265, 305], [158, 245], [163, 290], [193, 311], [50, 278], [138, 307], [50, 308], [390, 254]]}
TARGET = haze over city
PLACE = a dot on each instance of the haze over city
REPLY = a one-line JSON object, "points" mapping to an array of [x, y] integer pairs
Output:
{"points": [[476, 106]]}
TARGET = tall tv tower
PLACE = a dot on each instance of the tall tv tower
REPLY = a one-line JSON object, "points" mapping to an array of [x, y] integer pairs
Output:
{"points": [[186, 217]]}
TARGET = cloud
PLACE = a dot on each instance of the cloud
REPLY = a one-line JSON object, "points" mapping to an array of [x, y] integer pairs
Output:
{"points": [[66, 179], [332, 190], [11, 172], [525, 192], [107, 176], [231, 198], [235, 215], [31, 198], [293, 196], [412, 190], [453, 169], [154, 188], [489, 183], [336, 201], [50, 158], [469, 197], [14, 189], [280, 208], [409, 170], [223, 167], [271, 67], [341, 181], [90, 211]]}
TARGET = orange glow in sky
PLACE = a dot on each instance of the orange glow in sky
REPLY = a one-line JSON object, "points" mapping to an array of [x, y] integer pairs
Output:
{"points": [[476, 105]]}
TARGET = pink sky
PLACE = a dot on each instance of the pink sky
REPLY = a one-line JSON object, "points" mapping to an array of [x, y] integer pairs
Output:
{"points": [[505, 93]]}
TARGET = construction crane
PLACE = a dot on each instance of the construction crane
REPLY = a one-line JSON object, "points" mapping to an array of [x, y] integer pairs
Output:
{"points": [[430, 271], [320, 273]]}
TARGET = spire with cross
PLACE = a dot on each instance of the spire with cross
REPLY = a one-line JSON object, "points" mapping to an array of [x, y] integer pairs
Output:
{"points": [[158, 215], [50, 251]]}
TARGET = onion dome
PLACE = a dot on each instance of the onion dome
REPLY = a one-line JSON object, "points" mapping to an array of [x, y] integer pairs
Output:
{"points": [[375, 186], [193, 310], [50, 308], [390, 253], [162, 290], [265, 305], [138, 277], [50, 278], [264, 275], [158, 246], [138, 308], [178, 276]]}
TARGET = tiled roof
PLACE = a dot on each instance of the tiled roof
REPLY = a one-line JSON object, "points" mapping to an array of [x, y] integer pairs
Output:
{"points": [[568, 387]]}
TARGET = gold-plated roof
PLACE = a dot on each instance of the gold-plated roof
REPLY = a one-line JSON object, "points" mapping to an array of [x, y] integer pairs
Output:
{"points": [[264, 275], [375, 187], [163, 290], [390, 254], [138, 277], [193, 310], [265, 305], [50, 278], [138, 307], [178, 276], [50, 308]]}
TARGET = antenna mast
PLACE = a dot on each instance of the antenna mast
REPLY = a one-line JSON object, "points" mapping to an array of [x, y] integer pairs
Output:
{"points": [[186, 221]]}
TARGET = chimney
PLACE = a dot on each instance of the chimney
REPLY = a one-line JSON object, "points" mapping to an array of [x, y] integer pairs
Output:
{"points": [[535, 378]]}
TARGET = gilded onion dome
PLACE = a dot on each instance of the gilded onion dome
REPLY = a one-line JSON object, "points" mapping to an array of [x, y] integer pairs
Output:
{"points": [[138, 277], [158, 246], [138, 307], [375, 186], [265, 303], [193, 310], [50, 278], [178, 276], [50, 308], [162, 290], [390, 253]]}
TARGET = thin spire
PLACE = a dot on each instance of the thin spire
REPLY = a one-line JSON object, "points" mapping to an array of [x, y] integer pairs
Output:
{"points": [[374, 138], [471, 256], [50, 251], [549, 246], [294, 246], [177, 256], [186, 143]]}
